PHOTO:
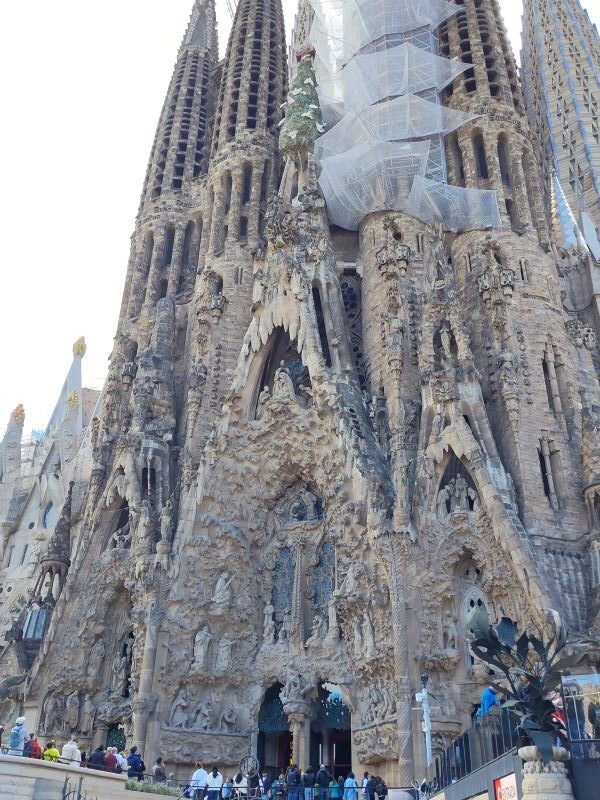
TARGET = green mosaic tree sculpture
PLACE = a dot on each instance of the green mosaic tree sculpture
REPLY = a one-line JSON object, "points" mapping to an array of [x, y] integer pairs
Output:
{"points": [[303, 122]]}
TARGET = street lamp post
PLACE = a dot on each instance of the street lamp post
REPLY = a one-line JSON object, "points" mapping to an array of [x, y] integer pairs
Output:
{"points": [[422, 697]]}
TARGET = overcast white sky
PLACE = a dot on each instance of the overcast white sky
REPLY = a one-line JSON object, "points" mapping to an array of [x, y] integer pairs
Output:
{"points": [[82, 87]]}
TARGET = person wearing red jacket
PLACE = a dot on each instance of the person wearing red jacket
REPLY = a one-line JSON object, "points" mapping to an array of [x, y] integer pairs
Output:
{"points": [[110, 760], [35, 750]]}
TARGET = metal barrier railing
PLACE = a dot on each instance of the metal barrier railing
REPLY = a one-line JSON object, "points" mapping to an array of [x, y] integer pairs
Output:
{"points": [[487, 739]]}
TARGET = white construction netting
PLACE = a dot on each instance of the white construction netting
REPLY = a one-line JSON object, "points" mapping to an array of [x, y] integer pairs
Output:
{"points": [[372, 77], [343, 27], [376, 63], [456, 208], [370, 178], [406, 117]]}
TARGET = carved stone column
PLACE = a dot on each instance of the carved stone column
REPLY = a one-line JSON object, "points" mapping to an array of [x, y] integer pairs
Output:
{"points": [[396, 547], [300, 727], [145, 701]]}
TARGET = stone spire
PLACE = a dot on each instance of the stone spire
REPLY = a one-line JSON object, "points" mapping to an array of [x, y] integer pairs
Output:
{"points": [[179, 150], [55, 564], [561, 65], [10, 447], [254, 79]]}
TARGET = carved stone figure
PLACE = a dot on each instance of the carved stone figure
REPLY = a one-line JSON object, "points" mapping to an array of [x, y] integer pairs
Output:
{"points": [[201, 643], [450, 637], [263, 399], [96, 658], [72, 711], [203, 719], [283, 385], [88, 715], [179, 713], [318, 632], [223, 659], [460, 494], [228, 720], [368, 635], [269, 624], [358, 637], [441, 503], [222, 593]]}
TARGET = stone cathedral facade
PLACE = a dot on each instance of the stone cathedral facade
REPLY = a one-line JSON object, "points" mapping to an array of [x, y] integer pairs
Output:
{"points": [[317, 449]]}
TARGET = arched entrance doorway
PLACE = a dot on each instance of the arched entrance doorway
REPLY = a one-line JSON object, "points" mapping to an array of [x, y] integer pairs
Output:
{"points": [[274, 750], [331, 732]]}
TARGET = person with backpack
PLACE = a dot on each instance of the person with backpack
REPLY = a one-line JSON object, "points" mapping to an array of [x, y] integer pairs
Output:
{"points": [[308, 781], [323, 779], [17, 738], [370, 788], [96, 759], [292, 780], [278, 788], [135, 765], [335, 792], [381, 789]]}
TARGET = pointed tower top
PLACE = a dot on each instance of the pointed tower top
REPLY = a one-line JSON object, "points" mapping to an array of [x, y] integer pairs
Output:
{"points": [[202, 30], [564, 225], [59, 547]]}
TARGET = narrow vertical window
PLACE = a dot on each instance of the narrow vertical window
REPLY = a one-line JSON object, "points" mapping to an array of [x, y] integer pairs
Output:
{"points": [[480, 157]]}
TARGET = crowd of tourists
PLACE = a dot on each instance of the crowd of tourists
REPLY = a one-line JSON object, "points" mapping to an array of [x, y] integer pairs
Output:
{"points": [[291, 785]]}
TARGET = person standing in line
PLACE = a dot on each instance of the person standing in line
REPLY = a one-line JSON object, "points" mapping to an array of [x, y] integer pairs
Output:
{"points": [[309, 783], [96, 760], [159, 773], [350, 787], [266, 786], [292, 780], [51, 753], [71, 753], [335, 792], [371, 788], [365, 780], [135, 765], [323, 779], [17, 738], [214, 783], [110, 760], [121, 761], [199, 782], [35, 749], [227, 789]]}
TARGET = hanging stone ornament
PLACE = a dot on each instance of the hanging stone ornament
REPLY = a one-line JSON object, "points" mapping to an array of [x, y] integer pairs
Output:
{"points": [[303, 122]]}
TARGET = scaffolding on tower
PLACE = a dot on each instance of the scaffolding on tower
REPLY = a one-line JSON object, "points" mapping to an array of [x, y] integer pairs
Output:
{"points": [[380, 79]]}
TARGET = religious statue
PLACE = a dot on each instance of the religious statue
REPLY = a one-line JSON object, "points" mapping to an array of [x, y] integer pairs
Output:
{"points": [[201, 643], [263, 399], [283, 385], [222, 593], [286, 627], [204, 716], [166, 519], [179, 714], [318, 631], [96, 658], [369, 635], [88, 715], [119, 674], [450, 634], [460, 493], [358, 637], [72, 711], [121, 538], [269, 624], [50, 708], [443, 496], [223, 658], [228, 719]]}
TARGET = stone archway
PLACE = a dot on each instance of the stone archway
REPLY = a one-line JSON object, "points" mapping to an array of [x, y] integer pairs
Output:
{"points": [[274, 747], [331, 732]]}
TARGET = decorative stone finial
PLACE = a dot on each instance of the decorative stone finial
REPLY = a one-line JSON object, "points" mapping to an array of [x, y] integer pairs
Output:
{"points": [[18, 415], [73, 400], [79, 348], [303, 120]]}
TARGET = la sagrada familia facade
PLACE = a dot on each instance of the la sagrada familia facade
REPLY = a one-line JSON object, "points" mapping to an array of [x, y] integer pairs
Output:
{"points": [[353, 394]]}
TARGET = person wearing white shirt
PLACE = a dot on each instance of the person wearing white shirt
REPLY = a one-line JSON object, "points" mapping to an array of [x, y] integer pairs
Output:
{"points": [[214, 783], [365, 780], [71, 753], [121, 760], [199, 782]]}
